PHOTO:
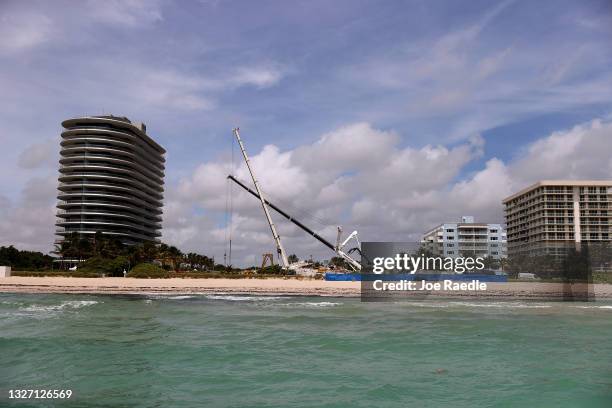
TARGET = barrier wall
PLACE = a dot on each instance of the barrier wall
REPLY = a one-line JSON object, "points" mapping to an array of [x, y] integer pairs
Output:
{"points": [[351, 277]]}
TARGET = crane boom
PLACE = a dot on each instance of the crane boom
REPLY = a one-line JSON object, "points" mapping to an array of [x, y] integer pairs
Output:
{"points": [[337, 249], [279, 246]]}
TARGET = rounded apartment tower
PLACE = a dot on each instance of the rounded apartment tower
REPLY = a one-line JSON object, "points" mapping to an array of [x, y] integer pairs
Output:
{"points": [[111, 180]]}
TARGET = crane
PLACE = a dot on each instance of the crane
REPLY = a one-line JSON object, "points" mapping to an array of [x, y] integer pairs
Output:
{"points": [[338, 248], [279, 246]]}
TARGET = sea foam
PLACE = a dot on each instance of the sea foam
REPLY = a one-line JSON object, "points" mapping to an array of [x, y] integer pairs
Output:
{"points": [[71, 304]]}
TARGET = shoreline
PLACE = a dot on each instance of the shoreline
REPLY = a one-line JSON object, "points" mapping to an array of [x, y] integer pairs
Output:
{"points": [[122, 286], [275, 287]]}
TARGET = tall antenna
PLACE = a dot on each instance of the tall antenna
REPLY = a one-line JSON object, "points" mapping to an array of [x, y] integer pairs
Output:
{"points": [[279, 246]]}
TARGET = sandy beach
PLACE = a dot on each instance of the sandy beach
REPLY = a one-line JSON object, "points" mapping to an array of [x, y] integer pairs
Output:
{"points": [[178, 285], [510, 290]]}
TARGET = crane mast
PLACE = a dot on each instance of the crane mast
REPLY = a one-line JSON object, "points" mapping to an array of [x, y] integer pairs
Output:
{"points": [[279, 246]]}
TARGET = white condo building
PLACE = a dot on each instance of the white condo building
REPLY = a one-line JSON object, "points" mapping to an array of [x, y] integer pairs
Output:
{"points": [[551, 216], [111, 180], [468, 238]]}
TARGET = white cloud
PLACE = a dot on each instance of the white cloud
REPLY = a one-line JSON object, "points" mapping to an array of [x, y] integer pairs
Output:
{"points": [[581, 152], [260, 77], [154, 89], [29, 222], [130, 13], [43, 154], [21, 31]]}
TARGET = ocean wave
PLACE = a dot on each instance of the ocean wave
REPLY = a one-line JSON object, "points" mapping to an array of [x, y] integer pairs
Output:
{"points": [[71, 304], [238, 298], [162, 296], [503, 305], [8, 302], [498, 305], [425, 304], [609, 307], [311, 304]]}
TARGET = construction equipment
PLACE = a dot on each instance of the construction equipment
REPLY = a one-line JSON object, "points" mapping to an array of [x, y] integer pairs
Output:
{"points": [[338, 248], [265, 258], [279, 246]]}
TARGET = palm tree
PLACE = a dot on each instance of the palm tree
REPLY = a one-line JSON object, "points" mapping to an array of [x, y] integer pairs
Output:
{"points": [[69, 246], [503, 263], [163, 254], [98, 243], [176, 256]]}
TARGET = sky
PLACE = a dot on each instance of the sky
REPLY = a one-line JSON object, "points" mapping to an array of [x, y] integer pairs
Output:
{"points": [[381, 116]]}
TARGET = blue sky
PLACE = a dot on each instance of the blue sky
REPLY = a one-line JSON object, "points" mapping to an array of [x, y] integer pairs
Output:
{"points": [[481, 78]]}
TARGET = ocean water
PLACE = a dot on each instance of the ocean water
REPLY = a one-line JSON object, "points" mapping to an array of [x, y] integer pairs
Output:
{"points": [[254, 351]]}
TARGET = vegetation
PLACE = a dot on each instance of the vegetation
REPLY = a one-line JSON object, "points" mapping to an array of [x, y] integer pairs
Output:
{"points": [[491, 263], [272, 270], [148, 270], [30, 260], [104, 256], [602, 277], [119, 256], [293, 258], [339, 263], [57, 273], [593, 263], [105, 266]]}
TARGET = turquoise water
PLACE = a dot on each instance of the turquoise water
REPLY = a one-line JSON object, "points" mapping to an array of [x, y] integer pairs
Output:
{"points": [[241, 351]]}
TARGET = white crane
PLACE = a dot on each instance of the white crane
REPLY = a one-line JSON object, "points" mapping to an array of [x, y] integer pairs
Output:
{"points": [[279, 246], [338, 248]]}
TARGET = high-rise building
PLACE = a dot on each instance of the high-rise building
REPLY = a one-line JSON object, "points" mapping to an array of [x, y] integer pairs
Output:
{"points": [[551, 216], [467, 238], [111, 180]]}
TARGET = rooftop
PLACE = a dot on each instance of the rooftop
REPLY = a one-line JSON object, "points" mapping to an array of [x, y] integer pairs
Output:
{"points": [[571, 183]]}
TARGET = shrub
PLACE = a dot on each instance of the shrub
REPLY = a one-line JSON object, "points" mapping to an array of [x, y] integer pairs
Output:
{"points": [[104, 266], [271, 270], [59, 273], [148, 270], [602, 277]]}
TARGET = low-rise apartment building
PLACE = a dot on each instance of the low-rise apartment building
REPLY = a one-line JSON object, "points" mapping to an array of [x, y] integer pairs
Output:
{"points": [[467, 238]]}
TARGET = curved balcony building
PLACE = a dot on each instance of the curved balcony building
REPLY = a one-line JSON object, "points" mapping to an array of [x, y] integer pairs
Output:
{"points": [[111, 180]]}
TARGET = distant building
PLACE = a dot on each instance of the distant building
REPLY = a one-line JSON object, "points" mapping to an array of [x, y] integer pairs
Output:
{"points": [[111, 180], [467, 238], [551, 216]]}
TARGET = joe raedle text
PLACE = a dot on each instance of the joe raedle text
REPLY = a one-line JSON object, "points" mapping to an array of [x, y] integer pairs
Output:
{"points": [[423, 285], [404, 263]]}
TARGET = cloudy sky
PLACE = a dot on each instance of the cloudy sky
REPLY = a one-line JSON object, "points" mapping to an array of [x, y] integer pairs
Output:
{"points": [[386, 117]]}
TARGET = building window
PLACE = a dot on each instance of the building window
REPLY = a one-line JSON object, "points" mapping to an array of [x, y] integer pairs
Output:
{"points": [[450, 230], [493, 238], [450, 252], [493, 231], [450, 245]]}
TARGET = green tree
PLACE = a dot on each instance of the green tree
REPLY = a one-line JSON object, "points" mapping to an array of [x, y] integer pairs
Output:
{"points": [[24, 260], [176, 256], [491, 263], [339, 262]]}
